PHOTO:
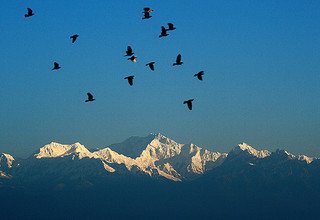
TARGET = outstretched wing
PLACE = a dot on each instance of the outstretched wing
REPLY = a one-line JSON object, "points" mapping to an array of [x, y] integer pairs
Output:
{"points": [[163, 30], [189, 103], [178, 60], [200, 74], [29, 11], [152, 66], [170, 25], [90, 96], [55, 65], [129, 50], [130, 81]]}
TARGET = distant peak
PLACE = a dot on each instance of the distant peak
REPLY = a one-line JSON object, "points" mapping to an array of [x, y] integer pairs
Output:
{"points": [[55, 149], [6, 158], [244, 147], [163, 139], [159, 136]]}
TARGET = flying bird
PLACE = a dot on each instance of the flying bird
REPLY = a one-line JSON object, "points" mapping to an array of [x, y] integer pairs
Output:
{"points": [[147, 10], [133, 59], [56, 66], [146, 15], [178, 60], [199, 75], [171, 27], [130, 79], [163, 32], [74, 37], [151, 65], [189, 103], [29, 13], [90, 97], [129, 52]]}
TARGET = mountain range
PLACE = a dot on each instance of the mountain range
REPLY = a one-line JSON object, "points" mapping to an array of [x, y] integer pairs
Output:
{"points": [[155, 172]]}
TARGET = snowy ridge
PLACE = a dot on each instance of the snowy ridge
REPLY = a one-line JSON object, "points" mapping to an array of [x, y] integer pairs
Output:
{"points": [[306, 158], [6, 159], [159, 157], [59, 150], [291, 156], [247, 148], [6, 165]]}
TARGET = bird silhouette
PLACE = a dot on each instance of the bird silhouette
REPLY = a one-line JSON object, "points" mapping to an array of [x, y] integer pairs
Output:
{"points": [[29, 13], [56, 66], [74, 37], [146, 15], [90, 97], [178, 60], [171, 27], [199, 75], [163, 32], [151, 65], [189, 103], [130, 79], [129, 52], [133, 59], [147, 10]]}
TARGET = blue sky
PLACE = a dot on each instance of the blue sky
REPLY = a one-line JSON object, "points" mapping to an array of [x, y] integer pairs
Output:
{"points": [[261, 84]]}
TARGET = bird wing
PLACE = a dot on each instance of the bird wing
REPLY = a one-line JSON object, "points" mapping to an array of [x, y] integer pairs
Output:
{"points": [[90, 96], [189, 105], [178, 60], [170, 25], [146, 9], [130, 80], [55, 64], [152, 66], [29, 10], [200, 76], [163, 30], [129, 49], [74, 38]]}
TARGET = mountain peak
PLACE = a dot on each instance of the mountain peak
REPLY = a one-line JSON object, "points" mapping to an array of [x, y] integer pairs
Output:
{"points": [[7, 159], [55, 149], [243, 147]]}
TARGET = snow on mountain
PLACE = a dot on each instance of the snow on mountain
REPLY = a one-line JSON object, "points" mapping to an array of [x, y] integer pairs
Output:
{"points": [[193, 160], [243, 147], [111, 156], [6, 160], [306, 158], [154, 155], [160, 147], [286, 155], [6, 165], [59, 150]]}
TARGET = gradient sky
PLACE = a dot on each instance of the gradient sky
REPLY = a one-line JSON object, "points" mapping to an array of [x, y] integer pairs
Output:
{"points": [[261, 84]]}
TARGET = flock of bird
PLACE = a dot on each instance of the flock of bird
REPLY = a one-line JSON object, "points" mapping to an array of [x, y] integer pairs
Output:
{"points": [[129, 53]]}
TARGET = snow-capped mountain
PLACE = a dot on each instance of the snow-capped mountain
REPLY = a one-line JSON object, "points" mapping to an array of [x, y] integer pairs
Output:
{"points": [[154, 156], [243, 147], [59, 150], [6, 164]]}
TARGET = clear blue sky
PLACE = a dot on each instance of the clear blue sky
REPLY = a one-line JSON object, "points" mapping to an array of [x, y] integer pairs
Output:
{"points": [[261, 84]]}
